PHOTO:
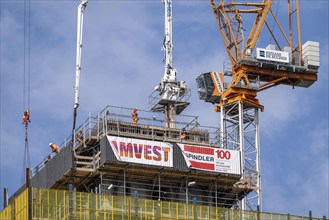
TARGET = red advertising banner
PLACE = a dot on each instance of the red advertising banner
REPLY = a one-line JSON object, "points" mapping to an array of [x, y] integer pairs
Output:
{"points": [[142, 151], [211, 159]]}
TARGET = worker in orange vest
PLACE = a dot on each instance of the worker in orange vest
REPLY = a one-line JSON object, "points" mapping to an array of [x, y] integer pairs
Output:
{"points": [[26, 117], [54, 148], [79, 136], [134, 115], [183, 134]]}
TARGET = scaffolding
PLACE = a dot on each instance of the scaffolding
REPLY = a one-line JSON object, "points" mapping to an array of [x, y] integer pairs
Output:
{"points": [[37, 204], [88, 165], [117, 121]]}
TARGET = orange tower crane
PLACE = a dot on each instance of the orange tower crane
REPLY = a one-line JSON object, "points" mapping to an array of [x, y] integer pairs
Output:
{"points": [[253, 69]]}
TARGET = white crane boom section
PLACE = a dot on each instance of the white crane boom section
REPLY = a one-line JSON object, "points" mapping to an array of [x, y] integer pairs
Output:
{"points": [[81, 10], [170, 73]]}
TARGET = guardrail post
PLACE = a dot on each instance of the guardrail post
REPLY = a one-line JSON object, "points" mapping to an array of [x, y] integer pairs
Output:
{"points": [[118, 128], [98, 127], [89, 129], [5, 197], [105, 128]]}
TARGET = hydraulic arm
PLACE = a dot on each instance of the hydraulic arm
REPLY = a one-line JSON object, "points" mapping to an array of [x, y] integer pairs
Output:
{"points": [[81, 10]]}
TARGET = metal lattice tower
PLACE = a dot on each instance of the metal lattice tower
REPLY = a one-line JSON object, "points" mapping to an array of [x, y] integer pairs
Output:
{"points": [[240, 130]]}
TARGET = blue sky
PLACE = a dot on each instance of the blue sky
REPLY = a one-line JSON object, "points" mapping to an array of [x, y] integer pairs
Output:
{"points": [[122, 63]]}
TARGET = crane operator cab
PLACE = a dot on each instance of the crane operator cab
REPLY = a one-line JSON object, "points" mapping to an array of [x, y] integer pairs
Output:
{"points": [[210, 86]]}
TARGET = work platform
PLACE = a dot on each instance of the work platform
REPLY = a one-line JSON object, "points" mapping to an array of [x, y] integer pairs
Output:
{"points": [[117, 157]]}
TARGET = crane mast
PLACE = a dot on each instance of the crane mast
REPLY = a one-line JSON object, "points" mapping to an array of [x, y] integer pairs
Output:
{"points": [[172, 94], [253, 70], [81, 10]]}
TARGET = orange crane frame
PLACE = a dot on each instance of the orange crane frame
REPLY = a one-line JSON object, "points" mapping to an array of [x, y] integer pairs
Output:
{"points": [[230, 23], [238, 105]]}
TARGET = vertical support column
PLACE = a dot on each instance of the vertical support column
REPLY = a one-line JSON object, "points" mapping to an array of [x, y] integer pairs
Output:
{"points": [[187, 202], [5, 197], [170, 112], [159, 198], [27, 178], [222, 128], [186, 191], [216, 194], [98, 126], [241, 147], [29, 193], [310, 215], [124, 185], [257, 144], [159, 185]]}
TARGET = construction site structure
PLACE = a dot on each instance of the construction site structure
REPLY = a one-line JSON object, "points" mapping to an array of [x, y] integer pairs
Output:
{"points": [[253, 70], [115, 156], [167, 166], [148, 158], [121, 170], [170, 96]]}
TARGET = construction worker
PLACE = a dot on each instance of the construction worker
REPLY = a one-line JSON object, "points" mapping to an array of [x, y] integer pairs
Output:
{"points": [[54, 148], [134, 115], [79, 136], [26, 117], [183, 134]]}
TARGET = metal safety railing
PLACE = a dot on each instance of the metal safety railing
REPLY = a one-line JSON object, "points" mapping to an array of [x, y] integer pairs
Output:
{"points": [[119, 120], [155, 97], [66, 143], [65, 205]]}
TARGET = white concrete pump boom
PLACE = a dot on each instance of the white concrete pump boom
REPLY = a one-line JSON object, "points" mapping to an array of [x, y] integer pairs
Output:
{"points": [[170, 73], [173, 94], [81, 10]]}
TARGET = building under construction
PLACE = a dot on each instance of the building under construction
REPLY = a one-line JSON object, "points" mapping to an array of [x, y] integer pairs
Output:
{"points": [[122, 170], [128, 163]]}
